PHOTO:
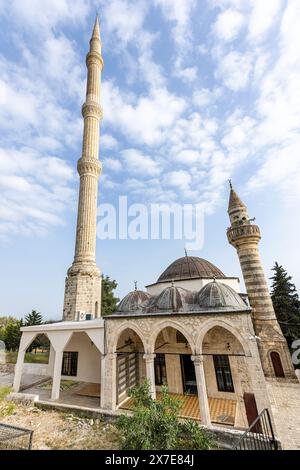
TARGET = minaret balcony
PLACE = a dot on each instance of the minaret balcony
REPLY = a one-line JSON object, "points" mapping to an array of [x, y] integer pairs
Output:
{"points": [[244, 231], [92, 109], [89, 166], [94, 58]]}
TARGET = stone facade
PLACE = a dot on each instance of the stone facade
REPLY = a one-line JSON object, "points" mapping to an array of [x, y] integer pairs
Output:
{"points": [[206, 336], [83, 282], [245, 236]]}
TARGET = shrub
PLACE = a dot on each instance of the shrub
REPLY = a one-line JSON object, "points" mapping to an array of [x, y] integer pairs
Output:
{"points": [[155, 424]]}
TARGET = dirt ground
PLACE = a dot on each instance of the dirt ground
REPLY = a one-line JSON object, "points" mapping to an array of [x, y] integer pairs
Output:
{"points": [[54, 430]]}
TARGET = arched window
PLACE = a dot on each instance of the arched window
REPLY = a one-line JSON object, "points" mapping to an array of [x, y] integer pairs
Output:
{"points": [[277, 365]]}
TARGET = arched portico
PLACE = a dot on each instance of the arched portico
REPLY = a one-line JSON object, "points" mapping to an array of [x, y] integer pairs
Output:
{"points": [[225, 354], [130, 367], [210, 324], [177, 366], [170, 324]]}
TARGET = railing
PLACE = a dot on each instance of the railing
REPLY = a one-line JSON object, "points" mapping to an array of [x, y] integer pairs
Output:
{"points": [[15, 438], [259, 436]]}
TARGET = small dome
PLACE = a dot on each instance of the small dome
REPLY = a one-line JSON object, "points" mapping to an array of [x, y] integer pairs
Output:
{"points": [[173, 299], [190, 267], [218, 295], [133, 301]]}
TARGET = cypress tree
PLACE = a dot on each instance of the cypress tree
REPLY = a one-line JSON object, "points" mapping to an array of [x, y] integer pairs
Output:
{"points": [[286, 303]]}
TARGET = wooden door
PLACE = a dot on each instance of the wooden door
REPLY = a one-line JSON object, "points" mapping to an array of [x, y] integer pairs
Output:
{"points": [[127, 374], [251, 410]]}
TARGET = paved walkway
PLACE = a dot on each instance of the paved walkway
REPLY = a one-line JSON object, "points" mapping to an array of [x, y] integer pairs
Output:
{"points": [[285, 404], [28, 380], [221, 411], [6, 379]]}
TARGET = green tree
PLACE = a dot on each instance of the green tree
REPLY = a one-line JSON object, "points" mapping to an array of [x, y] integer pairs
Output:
{"points": [[155, 424], [12, 334], [286, 303], [33, 318], [109, 301]]}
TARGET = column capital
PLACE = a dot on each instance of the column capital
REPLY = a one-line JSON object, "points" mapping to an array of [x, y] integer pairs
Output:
{"points": [[197, 359], [149, 357]]}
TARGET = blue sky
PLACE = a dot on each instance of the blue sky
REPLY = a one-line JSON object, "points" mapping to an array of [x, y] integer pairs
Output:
{"points": [[194, 93]]}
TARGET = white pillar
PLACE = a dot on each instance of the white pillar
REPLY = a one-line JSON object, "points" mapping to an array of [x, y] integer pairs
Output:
{"points": [[19, 370], [202, 391], [150, 374], [58, 340], [108, 381], [56, 375], [26, 340]]}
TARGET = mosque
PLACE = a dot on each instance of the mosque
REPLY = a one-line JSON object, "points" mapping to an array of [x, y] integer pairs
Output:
{"points": [[193, 329]]}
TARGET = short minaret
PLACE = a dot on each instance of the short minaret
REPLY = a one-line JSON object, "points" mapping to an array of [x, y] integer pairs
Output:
{"points": [[245, 236], [83, 282]]}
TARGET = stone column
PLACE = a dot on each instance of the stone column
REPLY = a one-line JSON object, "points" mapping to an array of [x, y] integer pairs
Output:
{"points": [[26, 340], [150, 374], [56, 375], [108, 381], [202, 391]]}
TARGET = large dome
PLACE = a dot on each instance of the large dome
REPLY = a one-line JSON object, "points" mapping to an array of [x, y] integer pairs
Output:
{"points": [[190, 267], [217, 295]]}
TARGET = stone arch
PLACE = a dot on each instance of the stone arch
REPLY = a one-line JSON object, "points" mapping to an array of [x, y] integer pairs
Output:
{"points": [[171, 324], [210, 324], [128, 326]]}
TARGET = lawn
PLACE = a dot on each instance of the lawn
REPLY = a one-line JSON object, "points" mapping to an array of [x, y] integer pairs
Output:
{"points": [[30, 357]]}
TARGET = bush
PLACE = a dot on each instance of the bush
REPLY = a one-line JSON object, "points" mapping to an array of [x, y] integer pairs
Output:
{"points": [[155, 424]]}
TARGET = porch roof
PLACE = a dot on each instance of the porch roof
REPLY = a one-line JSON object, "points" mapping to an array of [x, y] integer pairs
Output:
{"points": [[66, 325]]}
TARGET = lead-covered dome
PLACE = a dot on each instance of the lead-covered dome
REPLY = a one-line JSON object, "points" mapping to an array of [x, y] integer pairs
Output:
{"points": [[219, 295], [133, 301], [190, 267], [174, 299]]}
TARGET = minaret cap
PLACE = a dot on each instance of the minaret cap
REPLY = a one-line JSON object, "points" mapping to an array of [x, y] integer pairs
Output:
{"points": [[234, 200]]}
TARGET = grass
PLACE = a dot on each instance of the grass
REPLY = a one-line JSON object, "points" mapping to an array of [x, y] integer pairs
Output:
{"points": [[7, 408], [4, 391], [31, 358]]}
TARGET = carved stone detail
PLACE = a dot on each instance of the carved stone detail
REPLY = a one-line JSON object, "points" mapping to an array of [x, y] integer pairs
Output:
{"points": [[89, 166]]}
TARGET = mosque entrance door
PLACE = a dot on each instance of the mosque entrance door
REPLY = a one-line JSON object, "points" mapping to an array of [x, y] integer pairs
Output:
{"points": [[188, 375]]}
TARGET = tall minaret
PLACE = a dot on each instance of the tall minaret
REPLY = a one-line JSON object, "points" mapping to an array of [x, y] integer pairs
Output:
{"points": [[83, 282], [245, 236]]}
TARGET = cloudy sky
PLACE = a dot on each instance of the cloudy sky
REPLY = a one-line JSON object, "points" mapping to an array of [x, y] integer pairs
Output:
{"points": [[194, 92]]}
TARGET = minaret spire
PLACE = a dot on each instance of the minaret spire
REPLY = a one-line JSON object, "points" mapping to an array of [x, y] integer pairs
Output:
{"points": [[96, 30], [83, 283], [244, 237]]}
